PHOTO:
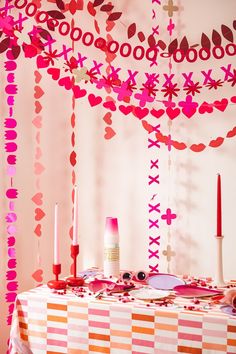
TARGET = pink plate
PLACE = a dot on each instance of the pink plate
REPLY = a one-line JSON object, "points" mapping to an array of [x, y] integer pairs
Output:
{"points": [[164, 281], [195, 291], [228, 309]]}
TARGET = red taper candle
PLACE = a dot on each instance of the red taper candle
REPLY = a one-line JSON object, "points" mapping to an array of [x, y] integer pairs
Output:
{"points": [[219, 211]]}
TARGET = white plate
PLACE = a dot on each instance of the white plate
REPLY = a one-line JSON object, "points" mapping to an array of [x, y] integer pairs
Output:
{"points": [[148, 294]]}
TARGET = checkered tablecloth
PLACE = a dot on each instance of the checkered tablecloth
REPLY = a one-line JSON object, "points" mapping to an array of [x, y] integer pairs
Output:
{"points": [[45, 322]]}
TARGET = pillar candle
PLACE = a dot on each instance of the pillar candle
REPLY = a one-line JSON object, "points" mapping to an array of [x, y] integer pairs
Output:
{"points": [[56, 245], [219, 212], [75, 218]]}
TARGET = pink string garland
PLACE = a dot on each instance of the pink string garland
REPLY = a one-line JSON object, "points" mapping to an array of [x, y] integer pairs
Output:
{"points": [[11, 147]]}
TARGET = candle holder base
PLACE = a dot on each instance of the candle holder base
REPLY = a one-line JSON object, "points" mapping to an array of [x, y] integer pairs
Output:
{"points": [[57, 284], [75, 281]]}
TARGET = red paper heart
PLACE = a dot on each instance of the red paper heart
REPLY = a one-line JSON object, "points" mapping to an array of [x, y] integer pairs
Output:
{"points": [[37, 122], [109, 133], [78, 92], [189, 112], [197, 147], [66, 82], [125, 109], [107, 118], [233, 99], [110, 105], [42, 62], [37, 230], [216, 142], [37, 76], [221, 105], [158, 113], [37, 198], [38, 275], [172, 112], [38, 168], [39, 214], [38, 92], [38, 107], [94, 100], [205, 108], [148, 127], [54, 72], [140, 113], [231, 133]]}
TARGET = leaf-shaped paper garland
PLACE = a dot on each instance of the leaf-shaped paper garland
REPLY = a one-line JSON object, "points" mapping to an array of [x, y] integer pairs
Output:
{"points": [[184, 44], [97, 2], [161, 44], [107, 7], [4, 44], [60, 4], [131, 30], [173, 46], [44, 34], [15, 51], [114, 16], [205, 41], [227, 33], [216, 38], [151, 41], [141, 36], [56, 14]]}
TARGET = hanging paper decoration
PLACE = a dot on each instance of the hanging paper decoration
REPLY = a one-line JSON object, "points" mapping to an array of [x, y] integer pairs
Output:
{"points": [[39, 168], [10, 135]]}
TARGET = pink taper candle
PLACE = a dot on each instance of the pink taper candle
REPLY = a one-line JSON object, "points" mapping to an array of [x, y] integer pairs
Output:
{"points": [[75, 218], [56, 245], [219, 212]]}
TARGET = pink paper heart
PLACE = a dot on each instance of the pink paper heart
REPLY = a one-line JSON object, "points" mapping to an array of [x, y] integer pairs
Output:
{"points": [[37, 122], [38, 198], [38, 153], [39, 214], [107, 118], [233, 99], [38, 107], [140, 112], [38, 92], [110, 105], [38, 168], [38, 275], [54, 72], [94, 100], [125, 109], [38, 231], [78, 92], [189, 112], [37, 137], [37, 76], [109, 133]]}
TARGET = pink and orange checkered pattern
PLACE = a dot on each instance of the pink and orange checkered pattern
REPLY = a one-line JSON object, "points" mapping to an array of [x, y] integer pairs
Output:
{"points": [[51, 323]]}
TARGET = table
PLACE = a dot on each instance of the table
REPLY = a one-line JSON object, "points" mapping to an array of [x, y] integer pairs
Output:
{"points": [[45, 322]]}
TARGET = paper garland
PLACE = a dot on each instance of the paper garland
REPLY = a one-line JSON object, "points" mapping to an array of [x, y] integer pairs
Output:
{"points": [[39, 168], [10, 134]]}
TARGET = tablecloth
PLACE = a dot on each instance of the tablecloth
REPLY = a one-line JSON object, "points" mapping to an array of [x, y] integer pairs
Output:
{"points": [[45, 322]]}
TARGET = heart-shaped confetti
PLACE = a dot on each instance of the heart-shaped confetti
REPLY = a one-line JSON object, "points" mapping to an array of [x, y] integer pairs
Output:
{"points": [[54, 72], [107, 118], [37, 76], [38, 168], [37, 122], [37, 230], [38, 92], [38, 107]]}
